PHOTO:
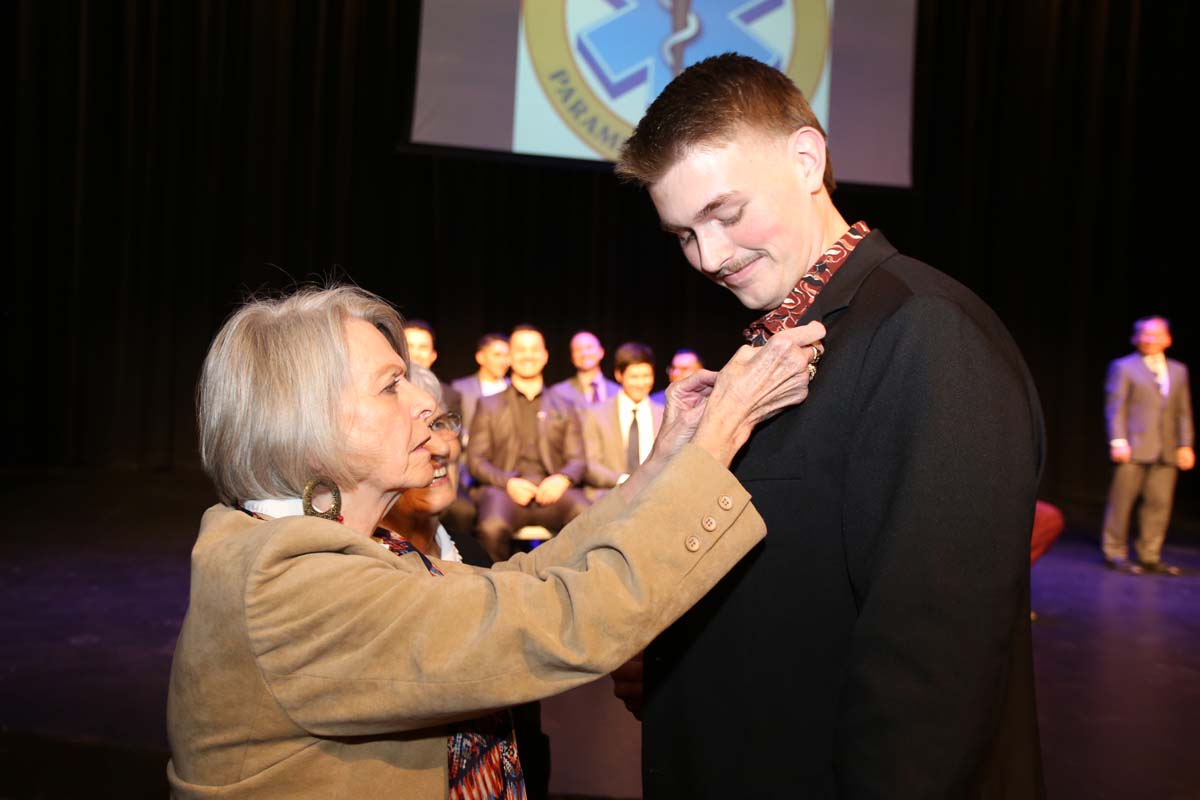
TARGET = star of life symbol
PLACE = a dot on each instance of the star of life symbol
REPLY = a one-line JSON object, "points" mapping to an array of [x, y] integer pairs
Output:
{"points": [[654, 40], [601, 63]]}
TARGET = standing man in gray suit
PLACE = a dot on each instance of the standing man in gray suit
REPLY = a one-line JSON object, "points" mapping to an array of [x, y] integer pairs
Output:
{"points": [[618, 433], [1148, 408]]}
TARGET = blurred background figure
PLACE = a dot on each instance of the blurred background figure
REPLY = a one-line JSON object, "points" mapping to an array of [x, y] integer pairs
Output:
{"points": [[587, 386], [618, 433], [492, 356], [1148, 410], [685, 362], [525, 451], [422, 350]]}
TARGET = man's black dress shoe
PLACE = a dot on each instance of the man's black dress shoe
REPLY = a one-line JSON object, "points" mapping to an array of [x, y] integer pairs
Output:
{"points": [[1160, 568], [1122, 565]]}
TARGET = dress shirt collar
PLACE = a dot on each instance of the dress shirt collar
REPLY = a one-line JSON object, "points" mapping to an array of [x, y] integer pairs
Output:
{"points": [[489, 388], [626, 407], [1157, 362]]}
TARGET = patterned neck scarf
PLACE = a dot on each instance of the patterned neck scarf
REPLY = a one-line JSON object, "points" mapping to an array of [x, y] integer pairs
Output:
{"points": [[810, 285], [482, 754]]}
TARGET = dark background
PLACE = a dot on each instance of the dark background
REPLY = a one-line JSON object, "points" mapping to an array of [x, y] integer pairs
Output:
{"points": [[167, 158]]}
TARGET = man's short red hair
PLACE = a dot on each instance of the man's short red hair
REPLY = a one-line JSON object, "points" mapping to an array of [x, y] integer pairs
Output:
{"points": [[706, 104]]}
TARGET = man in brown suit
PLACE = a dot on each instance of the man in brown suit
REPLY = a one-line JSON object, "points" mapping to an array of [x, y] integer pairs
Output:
{"points": [[525, 451]]}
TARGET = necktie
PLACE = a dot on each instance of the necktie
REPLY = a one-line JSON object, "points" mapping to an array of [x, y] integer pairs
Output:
{"points": [[632, 451], [595, 398]]}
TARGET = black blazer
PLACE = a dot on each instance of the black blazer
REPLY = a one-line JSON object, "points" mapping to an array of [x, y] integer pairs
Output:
{"points": [[877, 644]]}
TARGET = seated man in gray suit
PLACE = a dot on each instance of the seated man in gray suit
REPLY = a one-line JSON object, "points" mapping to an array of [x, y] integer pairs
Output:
{"points": [[1148, 408], [525, 452], [618, 433], [587, 386], [422, 350]]}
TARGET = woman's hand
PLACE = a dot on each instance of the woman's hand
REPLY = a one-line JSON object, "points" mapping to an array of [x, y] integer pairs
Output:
{"points": [[628, 685], [718, 411], [686, 400], [756, 384]]}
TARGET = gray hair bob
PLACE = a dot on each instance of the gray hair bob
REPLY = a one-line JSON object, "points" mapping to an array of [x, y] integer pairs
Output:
{"points": [[270, 390]]}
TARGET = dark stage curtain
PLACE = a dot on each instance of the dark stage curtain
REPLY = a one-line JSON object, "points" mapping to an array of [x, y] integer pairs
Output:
{"points": [[168, 158]]}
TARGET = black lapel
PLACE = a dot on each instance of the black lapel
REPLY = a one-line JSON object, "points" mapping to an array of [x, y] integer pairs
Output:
{"points": [[839, 292]]}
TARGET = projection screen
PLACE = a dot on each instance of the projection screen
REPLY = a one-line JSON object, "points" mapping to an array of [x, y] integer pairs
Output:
{"points": [[571, 78]]}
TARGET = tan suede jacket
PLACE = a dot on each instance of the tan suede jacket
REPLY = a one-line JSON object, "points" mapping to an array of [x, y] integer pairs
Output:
{"points": [[315, 663]]}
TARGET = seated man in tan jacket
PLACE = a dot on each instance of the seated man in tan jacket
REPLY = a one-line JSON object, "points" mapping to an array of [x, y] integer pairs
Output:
{"points": [[618, 433]]}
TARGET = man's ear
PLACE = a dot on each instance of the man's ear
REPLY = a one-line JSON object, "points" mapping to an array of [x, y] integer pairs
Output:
{"points": [[806, 146], [432, 358], [617, 373]]}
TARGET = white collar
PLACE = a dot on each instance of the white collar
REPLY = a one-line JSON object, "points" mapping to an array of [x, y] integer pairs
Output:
{"points": [[446, 546], [626, 402], [488, 388], [276, 507], [294, 507]]}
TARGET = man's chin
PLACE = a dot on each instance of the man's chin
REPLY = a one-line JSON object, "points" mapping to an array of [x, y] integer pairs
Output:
{"points": [[754, 301]]}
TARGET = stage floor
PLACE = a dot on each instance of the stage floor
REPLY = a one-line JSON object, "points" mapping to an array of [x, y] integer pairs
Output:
{"points": [[93, 577]]}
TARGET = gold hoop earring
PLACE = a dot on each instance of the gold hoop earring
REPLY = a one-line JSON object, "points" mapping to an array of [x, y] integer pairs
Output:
{"points": [[334, 512]]}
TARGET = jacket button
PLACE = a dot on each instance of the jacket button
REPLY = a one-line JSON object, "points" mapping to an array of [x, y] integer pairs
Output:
{"points": [[725, 502], [692, 543], [709, 523]]}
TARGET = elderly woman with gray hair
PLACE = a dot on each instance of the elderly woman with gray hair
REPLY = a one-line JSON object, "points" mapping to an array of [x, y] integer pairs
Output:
{"points": [[319, 659]]}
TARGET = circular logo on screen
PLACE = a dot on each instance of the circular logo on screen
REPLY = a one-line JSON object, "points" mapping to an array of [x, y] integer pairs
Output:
{"points": [[602, 62]]}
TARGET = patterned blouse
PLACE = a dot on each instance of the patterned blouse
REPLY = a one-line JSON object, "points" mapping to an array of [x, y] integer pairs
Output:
{"points": [[483, 761]]}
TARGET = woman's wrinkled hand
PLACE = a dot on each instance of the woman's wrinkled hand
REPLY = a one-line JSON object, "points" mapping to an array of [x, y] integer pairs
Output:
{"points": [[718, 410], [685, 403], [756, 384], [628, 684]]}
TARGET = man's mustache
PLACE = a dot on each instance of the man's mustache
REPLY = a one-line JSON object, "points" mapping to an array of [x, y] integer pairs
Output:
{"points": [[737, 266]]}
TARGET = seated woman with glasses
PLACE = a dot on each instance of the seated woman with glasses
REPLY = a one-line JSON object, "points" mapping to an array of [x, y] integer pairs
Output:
{"points": [[418, 517], [319, 659], [416, 514]]}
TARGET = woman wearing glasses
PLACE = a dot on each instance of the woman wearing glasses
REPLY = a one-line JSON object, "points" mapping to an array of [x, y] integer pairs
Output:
{"points": [[417, 513], [418, 516]]}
